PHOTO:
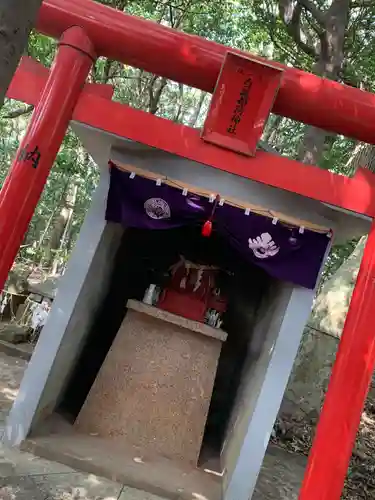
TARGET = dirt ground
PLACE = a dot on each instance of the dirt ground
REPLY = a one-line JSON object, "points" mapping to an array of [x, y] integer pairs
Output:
{"points": [[26, 477], [11, 373], [286, 457], [280, 477], [296, 437]]}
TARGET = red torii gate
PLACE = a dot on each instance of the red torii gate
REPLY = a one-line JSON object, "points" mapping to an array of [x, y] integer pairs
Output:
{"points": [[87, 30]]}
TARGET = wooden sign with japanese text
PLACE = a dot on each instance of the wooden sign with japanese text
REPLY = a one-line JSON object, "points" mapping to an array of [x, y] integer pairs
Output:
{"points": [[241, 103]]}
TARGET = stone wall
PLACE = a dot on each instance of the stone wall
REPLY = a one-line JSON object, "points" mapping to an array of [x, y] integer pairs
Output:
{"points": [[313, 365], [310, 376]]}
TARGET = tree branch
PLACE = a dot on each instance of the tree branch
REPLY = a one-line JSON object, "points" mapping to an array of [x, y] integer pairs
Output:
{"points": [[292, 20], [317, 14], [180, 101], [19, 112], [107, 70], [357, 4], [154, 96]]}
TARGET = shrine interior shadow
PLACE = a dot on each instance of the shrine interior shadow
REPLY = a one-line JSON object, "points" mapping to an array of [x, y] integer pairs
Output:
{"points": [[144, 257]]}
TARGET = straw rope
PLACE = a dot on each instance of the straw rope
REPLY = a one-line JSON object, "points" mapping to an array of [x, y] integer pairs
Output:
{"points": [[283, 218]]}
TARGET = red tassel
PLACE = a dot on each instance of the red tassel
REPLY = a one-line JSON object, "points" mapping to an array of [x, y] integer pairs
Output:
{"points": [[207, 226], [207, 229]]}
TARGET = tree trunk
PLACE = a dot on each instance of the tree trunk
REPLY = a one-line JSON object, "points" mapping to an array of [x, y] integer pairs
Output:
{"points": [[59, 229], [312, 368], [312, 146], [17, 18], [194, 117], [155, 90], [269, 135], [67, 230], [328, 65], [363, 156], [178, 117]]}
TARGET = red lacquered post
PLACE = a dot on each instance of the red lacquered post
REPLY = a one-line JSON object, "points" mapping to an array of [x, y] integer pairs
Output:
{"points": [[37, 152], [347, 390]]}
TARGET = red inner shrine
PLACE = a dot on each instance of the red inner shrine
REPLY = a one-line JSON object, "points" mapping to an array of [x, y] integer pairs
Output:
{"points": [[246, 91], [192, 292]]}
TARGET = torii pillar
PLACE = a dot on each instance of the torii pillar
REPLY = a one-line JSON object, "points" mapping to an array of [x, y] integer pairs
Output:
{"points": [[37, 152]]}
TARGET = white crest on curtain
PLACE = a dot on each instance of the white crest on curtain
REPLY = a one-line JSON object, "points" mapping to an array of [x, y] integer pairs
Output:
{"points": [[263, 246], [157, 208]]}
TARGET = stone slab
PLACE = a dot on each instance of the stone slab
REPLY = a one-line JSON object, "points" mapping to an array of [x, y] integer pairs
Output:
{"points": [[157, 476], [23, 350], [13, 333], [189, 324], [14, 462], [154, 388], [132, 494]]}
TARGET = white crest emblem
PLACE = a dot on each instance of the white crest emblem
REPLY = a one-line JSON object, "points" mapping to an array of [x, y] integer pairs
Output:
{"points": [[263, 246], [157, 208]]}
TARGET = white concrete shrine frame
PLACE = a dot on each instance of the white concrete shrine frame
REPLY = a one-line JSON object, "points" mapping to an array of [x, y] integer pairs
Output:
{"points": [[84, 284]]}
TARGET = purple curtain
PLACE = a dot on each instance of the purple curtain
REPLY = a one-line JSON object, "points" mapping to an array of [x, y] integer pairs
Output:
{"points": [[282, 251]]}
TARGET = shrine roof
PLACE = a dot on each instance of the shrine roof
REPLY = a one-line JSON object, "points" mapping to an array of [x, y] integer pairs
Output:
{"points": [[103, 146]]}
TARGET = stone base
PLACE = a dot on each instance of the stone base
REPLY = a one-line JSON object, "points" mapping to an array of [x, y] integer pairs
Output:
{"points": [[105, 458], [13, 333], [154, 387]]}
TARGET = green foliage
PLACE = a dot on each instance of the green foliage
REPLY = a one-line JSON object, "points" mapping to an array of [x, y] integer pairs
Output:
{"points": [[42, 48], [253, 25]]}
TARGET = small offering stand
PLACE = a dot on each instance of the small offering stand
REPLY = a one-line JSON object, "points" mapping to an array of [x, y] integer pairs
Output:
{"points": [[154, 388]]}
